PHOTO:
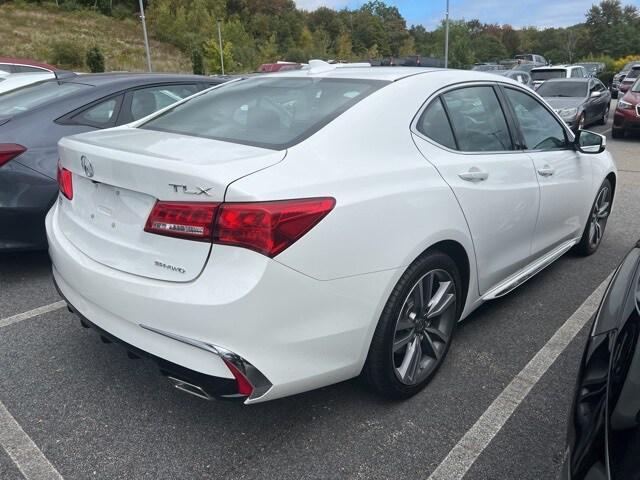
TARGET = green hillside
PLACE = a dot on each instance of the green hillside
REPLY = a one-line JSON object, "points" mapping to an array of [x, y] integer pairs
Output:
{"points": [[46, 32]]}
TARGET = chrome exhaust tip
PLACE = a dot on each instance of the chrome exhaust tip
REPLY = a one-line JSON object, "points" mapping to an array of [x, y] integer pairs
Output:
{"points": [[189, 388]]}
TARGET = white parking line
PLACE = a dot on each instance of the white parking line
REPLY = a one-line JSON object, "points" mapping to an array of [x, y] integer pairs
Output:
{"points": [[473, 443], [32, 313], [25, 454]]}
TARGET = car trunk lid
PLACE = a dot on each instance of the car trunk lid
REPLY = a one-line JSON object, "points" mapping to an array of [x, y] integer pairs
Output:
{"points": [[119, 174]]}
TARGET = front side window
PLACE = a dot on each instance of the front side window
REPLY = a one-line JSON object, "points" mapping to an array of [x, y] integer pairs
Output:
{"points": [[539, 127], [434, 124], [146, 101], [477, 119], [266, 112]]}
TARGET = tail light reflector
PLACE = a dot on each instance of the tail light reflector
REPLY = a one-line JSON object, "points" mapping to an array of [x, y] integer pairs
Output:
{"points": [[193, 221], [9, 151], [65, 182], [269, 227], [244, 386]]}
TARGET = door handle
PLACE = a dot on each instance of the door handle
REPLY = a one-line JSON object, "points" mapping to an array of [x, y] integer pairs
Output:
{"points": [[474, 175], [546, 171]]}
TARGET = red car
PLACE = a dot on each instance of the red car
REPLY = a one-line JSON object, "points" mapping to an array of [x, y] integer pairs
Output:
{"points": [[279, 67], [23, 65], [627, 114]]}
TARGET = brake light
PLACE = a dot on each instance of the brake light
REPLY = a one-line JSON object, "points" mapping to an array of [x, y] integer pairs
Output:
{"points": [[193, 221], [9, 151], [269, 227], [65, 182]]}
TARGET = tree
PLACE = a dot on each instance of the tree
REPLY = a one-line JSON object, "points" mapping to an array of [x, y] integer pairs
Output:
{"points": [[95, 60], [211, 52], [197, 62]]}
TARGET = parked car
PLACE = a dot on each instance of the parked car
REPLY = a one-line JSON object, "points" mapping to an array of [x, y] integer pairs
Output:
{"points": [[532, 57], [35, 117], [603, 440], [632, 75], [517, 75], [487, 67], [619, 77], [578, 101], [267, 253], [592, 68], [279, 67], [627, 114], [23, 65], [17, 80], [542, 74]]}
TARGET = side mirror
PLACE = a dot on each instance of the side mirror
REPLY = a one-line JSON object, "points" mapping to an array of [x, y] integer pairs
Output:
{"points": [[595, 94], [590, 142]]}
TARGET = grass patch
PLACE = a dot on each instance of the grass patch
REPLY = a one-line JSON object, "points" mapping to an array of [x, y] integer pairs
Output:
{"points": [[31, 31]]}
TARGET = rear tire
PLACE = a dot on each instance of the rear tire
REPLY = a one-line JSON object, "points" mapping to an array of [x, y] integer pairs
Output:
{"points": [[416, 327], [597, 221], [617, 132]]}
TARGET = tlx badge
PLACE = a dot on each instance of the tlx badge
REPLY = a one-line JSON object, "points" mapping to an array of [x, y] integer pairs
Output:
{"points": [[184, 189]]}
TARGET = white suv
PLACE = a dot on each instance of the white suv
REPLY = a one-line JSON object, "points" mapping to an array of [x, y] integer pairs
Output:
{"points": [[285, 232], [541, 74]]}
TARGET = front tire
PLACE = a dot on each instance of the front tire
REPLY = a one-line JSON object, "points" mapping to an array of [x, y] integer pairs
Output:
{"points": [[416, 327], [605, 115], [597, 222]]}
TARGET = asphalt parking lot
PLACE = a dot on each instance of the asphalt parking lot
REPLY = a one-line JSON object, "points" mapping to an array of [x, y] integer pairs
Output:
{"points": [[93, 413]]}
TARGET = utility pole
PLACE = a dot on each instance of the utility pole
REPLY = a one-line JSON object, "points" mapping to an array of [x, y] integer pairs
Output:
{"points": [[146, 39], [446, 37], [220, 45]]}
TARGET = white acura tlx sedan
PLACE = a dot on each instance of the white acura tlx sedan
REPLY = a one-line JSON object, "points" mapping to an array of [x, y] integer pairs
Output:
{"points": [[281, 233]]}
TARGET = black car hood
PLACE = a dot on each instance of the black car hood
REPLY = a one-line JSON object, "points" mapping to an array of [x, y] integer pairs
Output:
{"points": [[564, 102]]}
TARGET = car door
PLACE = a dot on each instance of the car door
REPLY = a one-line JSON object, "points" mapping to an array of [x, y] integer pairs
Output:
{"points": [[140, 102], [563, 174], [464, 133]]}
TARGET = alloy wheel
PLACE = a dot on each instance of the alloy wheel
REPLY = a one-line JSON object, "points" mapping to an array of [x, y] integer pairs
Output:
{"points": [[599, 215], [424, 327]]}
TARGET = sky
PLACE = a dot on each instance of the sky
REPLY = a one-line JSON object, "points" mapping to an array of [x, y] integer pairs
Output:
{"points": [[518, 13]]}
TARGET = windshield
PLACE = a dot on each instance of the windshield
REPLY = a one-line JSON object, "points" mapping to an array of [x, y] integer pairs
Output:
{"points": [[563, 89], [636, 87], [31, 96], [265, 112], [547, 74], [635, 73]]}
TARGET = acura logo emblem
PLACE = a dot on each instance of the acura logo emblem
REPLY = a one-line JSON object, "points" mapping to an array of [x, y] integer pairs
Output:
{"points": [[86, 166]]}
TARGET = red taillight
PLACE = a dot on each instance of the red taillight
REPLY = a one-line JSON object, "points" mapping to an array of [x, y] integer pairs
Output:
{"points": [[244, 386], [184, 220], [9, 151], [65, 182], [269, 227]]}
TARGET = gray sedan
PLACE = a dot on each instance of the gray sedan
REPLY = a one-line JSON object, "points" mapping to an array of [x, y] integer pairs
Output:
{"points": [[579, 101], [35, 117]]}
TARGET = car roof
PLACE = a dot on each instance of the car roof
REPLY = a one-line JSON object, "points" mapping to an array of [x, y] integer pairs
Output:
{"points": [[26, 61], [574, 79], [126, 78], [390, 74]]}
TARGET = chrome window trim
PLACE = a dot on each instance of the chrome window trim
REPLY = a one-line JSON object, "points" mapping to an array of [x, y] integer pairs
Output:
{"points": [[483, 83], [25, 65]]}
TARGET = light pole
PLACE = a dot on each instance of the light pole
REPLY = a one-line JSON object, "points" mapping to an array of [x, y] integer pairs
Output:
{"points": [[446, 37], [146, 39], [220, 45]]}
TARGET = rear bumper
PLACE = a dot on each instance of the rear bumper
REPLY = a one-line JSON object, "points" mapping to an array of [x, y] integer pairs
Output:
{"points": [[25, 198], [300, 333]]}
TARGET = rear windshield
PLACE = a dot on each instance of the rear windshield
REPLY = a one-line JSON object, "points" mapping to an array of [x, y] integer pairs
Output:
{"points": [[266, 112], [563, 89], [547, 74], [29, 97]]}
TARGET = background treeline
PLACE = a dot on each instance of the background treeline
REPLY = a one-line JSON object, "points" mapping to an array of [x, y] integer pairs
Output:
{"points": [[259, 31]]}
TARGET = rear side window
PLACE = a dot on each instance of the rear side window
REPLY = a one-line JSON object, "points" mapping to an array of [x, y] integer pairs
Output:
{"points": [[478, 120], [434, 124], [266, 112], [101, 115]]}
